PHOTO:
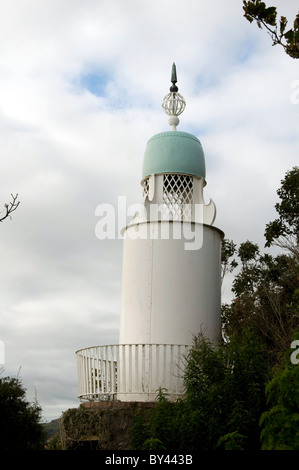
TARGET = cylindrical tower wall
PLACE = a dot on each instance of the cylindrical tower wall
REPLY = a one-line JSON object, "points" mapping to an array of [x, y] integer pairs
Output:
{"points": [[171, 287]]}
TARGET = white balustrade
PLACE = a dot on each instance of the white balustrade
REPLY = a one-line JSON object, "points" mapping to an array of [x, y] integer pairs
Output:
{"points": [[131, 372]]}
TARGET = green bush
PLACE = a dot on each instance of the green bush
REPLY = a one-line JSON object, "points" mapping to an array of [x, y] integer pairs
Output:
{"points": [[20, 420], [280, 423], [225, 396]]}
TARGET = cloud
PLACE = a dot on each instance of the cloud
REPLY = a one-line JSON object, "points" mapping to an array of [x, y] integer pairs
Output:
{"points": [[81, 86]]}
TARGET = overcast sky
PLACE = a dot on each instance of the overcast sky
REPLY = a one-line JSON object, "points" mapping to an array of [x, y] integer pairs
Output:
{"points": [[81, 86]]}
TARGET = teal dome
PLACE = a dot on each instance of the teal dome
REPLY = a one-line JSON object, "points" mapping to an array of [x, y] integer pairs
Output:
{"points": [[174, 152]]}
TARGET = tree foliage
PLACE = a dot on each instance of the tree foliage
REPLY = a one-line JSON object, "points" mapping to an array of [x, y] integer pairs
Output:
{"points": [[284, 231], [265, 299], [228, 250], [280, 423], [256, 10], [224, 400], [20, 420], [266, 287]]}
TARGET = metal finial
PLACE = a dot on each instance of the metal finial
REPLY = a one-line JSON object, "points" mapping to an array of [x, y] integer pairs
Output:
{"points": [[173, 79], [173, 103]]}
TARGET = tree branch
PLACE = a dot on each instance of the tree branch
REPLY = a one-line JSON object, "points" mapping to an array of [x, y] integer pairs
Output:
{"points": [[256, 10], [10, 207]]}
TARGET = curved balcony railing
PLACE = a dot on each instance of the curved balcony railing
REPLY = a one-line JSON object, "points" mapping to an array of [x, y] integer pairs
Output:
{"points": [[130, 372]]}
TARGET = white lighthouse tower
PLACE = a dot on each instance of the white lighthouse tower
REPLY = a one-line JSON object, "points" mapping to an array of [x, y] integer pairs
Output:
{"points": [[171, 260], [171, 289]]}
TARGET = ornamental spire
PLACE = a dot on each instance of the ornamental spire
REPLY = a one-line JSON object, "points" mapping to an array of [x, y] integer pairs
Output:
{"points": [[173, 79], [173, 103]]}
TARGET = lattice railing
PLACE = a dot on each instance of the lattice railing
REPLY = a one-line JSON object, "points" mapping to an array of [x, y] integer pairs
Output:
{"points": [[130, 370]]}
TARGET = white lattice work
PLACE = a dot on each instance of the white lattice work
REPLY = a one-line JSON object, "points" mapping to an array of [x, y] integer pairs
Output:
{"points": [[145, 186], [177, 197]]}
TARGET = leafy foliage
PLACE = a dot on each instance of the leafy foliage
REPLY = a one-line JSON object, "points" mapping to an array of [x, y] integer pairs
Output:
{"points": [[265, 299], [228, 250], [227, 382], [281, 421], [20, 420], [267, 17], [266, 287], [54, 442], [284, 231], [247, 252], [140, 433], [223, 403], [232, 441]]}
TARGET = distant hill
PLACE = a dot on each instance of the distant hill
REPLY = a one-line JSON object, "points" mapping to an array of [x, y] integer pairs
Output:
{"points": [[52, 427]]}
